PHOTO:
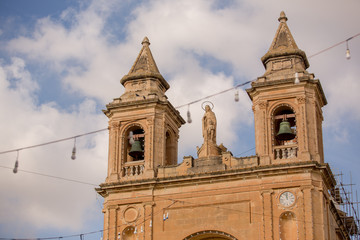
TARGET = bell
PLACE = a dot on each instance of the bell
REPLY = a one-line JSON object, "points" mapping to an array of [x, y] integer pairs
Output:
{"points": [[285, 132], [136, 150]]}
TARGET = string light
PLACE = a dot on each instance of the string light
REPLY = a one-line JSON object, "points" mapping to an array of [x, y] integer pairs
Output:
{"points": [[297, 80], [141, 229], [347, 50], [15, 170], [166, 216], [188, 115], [73, 155], [135, 232], [236, 95], [150, 224]]}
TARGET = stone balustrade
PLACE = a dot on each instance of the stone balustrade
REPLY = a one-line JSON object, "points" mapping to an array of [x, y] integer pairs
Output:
{"points": [[285, 152], [134, 168]]}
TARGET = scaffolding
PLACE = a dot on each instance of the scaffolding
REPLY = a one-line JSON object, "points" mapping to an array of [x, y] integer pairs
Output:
{"points": [[347, 206]]}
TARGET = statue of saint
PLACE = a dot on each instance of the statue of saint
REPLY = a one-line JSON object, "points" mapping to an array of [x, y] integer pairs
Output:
{"points": [[209, 126]]}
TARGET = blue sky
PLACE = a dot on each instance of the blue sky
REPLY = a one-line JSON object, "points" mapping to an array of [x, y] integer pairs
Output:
{"points": [[61, 63]]}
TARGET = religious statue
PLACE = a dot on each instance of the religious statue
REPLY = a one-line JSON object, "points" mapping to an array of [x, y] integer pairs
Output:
{"points": [[209, 147], [209, 126]]}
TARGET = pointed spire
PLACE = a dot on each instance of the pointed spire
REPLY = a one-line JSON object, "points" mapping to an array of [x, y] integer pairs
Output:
{"points": [[144, 66], [284, 44]]}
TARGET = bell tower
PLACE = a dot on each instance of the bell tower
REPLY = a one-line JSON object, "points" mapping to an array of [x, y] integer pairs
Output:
{"points": [[143, 124], [287, 102]]}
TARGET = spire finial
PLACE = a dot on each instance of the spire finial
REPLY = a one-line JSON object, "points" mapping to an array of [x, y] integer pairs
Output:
{"points": [[145, 42], [282, 17]]}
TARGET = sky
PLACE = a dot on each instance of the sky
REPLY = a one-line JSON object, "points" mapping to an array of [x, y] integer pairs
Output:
{"points": [[61, 62]]}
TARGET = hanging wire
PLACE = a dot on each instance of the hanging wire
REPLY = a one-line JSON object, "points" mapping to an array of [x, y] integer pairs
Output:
{"points": [[51, 176], [55, 141]]}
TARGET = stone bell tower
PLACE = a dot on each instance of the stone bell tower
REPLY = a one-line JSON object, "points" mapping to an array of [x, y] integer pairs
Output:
{"points": [[287, 93], [144, 126]]}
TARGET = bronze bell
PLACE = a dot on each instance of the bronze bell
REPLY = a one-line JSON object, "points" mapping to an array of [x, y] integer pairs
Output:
{"points": [[285, 132], [136, 150]]}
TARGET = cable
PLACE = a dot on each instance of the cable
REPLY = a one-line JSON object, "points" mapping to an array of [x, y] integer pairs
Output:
{"points": [[55, 141], [51, 176], [335, 45]]}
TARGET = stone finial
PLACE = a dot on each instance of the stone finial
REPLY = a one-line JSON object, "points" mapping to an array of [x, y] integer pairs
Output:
{"points": [[145, 42], [282, 17]]}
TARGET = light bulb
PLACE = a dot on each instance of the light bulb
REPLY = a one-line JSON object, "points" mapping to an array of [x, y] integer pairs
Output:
{"points": [[135, 232], [189, 116], [141, 229], [16, 166], [347, 50], [150, 225], [73, 155], [297, 80], [15, 170], [348, 56], [237, 96]]}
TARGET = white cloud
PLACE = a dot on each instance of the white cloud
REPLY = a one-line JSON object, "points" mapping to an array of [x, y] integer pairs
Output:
{"points": [[40, 201]]}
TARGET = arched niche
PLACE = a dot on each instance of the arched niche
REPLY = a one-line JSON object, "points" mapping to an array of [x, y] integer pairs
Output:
{"points": [[128, 233], [170, 148], [210, 235], [288, 226]]}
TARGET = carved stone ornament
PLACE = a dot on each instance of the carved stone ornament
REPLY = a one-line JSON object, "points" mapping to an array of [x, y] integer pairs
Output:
{"points": [[301, 100], [114, 125], [262, 105]]}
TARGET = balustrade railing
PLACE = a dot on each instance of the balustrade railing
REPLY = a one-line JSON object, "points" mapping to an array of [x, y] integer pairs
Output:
{"points": [[285, 152], [134, 168]]}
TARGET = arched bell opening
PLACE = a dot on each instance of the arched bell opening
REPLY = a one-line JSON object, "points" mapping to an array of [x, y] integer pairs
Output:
{"points": [[284, 126], [170, 149], [128, 233], [288, 226], [284, 134], [134, 144]]}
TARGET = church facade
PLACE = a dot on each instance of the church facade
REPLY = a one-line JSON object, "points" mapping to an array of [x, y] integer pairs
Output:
{"points": [[285, 191]]}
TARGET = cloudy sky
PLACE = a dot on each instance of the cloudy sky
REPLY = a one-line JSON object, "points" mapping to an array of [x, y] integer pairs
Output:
{"points": [[61, 62]]}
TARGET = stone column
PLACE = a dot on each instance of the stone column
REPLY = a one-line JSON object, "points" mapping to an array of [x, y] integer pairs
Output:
{"points": [[148, 221], [308, 212], [267, 214], [112, 223]]}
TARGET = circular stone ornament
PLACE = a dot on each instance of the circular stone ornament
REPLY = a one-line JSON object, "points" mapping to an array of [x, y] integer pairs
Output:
{"points": [[131, 214]]}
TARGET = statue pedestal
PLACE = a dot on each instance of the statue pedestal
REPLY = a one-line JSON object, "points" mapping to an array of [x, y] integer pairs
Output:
{"points": [[209, 149]]}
